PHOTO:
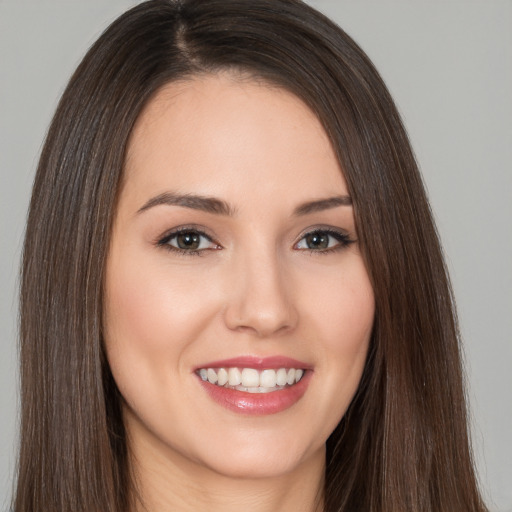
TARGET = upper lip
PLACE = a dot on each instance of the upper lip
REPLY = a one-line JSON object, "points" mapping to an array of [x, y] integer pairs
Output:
{"points": [[258, 363]]}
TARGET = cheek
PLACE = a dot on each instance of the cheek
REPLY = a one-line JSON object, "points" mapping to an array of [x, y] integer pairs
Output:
{"points": [[153, 307], [348, 318], [342, 316], [350, 326], [341, 308], [151, 319]]}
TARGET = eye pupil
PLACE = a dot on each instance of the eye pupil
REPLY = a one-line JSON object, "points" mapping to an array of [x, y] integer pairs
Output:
{"points": [[317, 241], [188, 240]]}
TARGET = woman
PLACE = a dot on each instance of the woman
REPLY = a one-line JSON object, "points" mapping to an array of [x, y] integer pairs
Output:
{"points": [[227, 203]]}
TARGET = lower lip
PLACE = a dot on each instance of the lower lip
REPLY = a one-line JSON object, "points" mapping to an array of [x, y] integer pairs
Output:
{"points": [[258, 403]]}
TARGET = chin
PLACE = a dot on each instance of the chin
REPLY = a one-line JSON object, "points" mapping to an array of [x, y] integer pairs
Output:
{"points": [[258, 460]]}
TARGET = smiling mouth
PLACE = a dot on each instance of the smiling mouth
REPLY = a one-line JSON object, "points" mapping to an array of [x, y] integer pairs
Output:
{"points": [[252, 380]]}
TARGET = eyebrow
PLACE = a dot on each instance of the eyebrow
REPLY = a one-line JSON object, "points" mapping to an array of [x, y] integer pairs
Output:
{"points": [[322, 204], [195, 202], [220, 207]]}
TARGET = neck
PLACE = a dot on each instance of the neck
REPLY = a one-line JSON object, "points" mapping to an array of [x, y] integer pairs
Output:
{"points": [[166, 483]]}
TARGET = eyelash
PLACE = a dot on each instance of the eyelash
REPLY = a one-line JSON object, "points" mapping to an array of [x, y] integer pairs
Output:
{"points": [[164, 241], [343, 239]]}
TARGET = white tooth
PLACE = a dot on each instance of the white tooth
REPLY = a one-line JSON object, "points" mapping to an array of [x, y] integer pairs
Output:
{"points": [[212, 376], [290, 378], [222, 376], [250, 378], [281, 377], [235, 377], [268, 378], [260, 389], [298, 375], [203, 374]]}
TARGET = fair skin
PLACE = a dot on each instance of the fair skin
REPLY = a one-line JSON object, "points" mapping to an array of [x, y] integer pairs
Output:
{"points": [[269, 272]]}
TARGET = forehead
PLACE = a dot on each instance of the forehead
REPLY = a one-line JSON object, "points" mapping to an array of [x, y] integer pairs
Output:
{"points": [[221, 133]]}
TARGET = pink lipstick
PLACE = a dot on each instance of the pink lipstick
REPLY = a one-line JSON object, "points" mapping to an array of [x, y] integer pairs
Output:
{"points": [[255, 385]]}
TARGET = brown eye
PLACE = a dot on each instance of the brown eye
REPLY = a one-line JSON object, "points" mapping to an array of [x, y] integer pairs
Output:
{"points": [[323, 240], [189, 240], [317, 240]]}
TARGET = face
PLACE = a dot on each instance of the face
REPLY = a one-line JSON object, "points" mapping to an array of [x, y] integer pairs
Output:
{"points": [[238, 309]]}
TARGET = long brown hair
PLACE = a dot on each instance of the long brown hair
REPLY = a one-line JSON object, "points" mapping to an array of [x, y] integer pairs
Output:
{"points": [[403, 443]]}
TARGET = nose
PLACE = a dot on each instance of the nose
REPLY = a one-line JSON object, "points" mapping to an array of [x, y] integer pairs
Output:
{"points": [[260, 299]]}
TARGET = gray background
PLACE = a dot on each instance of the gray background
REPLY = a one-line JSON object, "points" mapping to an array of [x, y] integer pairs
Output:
{"points": [[448, 64]]}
